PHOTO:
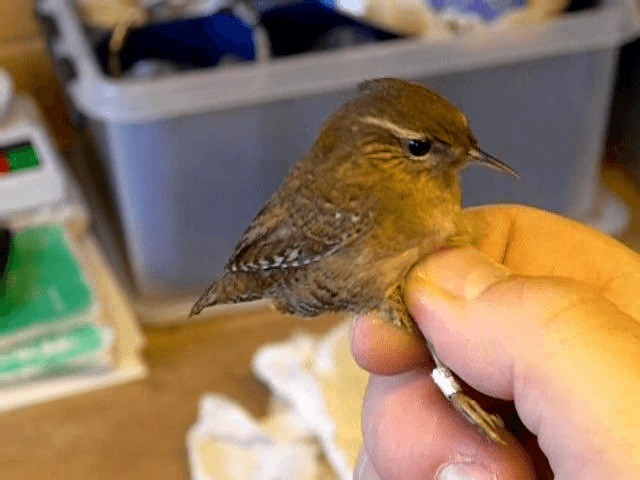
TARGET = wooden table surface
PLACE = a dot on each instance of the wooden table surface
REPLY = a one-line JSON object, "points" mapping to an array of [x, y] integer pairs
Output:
{"points": [[138, 430]]}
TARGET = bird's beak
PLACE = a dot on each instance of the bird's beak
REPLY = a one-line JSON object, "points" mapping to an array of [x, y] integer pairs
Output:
{"points": [[478, 156]]}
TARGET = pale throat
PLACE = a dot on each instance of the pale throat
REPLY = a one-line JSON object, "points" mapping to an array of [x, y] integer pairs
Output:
{"points": [[434, 214]]}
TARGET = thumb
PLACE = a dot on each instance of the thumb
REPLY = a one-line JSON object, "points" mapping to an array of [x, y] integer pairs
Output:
{"points": [[495, 328], [447, 295], [564, 353]]}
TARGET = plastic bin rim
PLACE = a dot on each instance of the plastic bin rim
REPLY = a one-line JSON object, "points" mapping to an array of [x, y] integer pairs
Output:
{"points": [[139, 101]]}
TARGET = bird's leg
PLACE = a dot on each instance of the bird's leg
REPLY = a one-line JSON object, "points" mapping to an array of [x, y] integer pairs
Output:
{"points": [[487, 423]]}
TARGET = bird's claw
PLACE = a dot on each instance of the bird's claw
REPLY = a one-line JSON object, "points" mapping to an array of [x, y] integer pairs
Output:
{"points": [[487, 423]]}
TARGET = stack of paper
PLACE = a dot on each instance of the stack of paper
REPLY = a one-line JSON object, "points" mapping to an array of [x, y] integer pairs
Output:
{"points": [[65, 326]]}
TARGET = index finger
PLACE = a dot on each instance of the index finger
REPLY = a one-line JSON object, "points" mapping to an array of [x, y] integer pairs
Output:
{"points": [[535, 242]]}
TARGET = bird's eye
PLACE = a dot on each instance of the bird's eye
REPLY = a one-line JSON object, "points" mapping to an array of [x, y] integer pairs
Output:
{"points": [[418, 148]]}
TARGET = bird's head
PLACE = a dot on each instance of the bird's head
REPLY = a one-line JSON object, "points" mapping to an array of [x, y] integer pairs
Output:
{"points": [[395, 124]]}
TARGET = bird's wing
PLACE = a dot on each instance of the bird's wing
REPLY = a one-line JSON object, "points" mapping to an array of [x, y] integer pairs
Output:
{"points": [[279, 241]]}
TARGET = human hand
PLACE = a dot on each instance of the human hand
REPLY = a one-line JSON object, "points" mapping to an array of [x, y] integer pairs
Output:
{"points": [[552, 326]]}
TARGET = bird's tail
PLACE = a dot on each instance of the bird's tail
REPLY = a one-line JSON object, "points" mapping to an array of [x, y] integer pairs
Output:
{"points": [[207, 299], [229, 289]]}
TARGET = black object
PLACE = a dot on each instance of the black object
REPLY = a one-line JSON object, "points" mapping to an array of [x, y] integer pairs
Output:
{"points": [[5, 249], [306, 25]]}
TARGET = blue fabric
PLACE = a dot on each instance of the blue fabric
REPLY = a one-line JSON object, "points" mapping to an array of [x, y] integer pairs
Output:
{"points": [[328, 3], [194, 42], [294, 27]]}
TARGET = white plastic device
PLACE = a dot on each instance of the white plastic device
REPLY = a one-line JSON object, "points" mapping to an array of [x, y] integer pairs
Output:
{"points": [[37, 185], [6, 92]]}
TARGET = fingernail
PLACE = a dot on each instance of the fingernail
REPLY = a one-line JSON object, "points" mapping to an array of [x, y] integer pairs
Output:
{"points": [[465, 471], [463, 272]]}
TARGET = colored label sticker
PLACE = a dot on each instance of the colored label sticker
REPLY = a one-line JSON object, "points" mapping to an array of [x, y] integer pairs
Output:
{"points": [[22, 157], [4, 163]]}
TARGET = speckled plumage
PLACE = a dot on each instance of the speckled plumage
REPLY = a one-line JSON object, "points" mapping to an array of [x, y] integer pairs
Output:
{"points": [[359, 210]]}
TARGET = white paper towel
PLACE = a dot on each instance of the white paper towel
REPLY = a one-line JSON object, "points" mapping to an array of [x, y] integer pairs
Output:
{"points": [[314, 421]]}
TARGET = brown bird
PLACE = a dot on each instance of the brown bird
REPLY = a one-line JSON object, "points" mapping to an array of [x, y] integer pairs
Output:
{"points": [[378, 191]]}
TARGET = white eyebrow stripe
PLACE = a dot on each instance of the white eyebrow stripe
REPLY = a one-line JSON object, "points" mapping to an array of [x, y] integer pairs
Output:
{"points": [[392, 127]]}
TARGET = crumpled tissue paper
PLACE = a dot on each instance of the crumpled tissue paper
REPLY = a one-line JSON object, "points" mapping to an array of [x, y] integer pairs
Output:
{"points": [[312, 430]]}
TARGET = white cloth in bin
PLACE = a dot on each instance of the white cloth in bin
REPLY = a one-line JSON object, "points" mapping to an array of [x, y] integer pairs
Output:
{"points": [[313, 428]]}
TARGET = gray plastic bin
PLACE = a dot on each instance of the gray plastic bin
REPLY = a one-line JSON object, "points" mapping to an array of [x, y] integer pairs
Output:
{"points": [[193, 156]]}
